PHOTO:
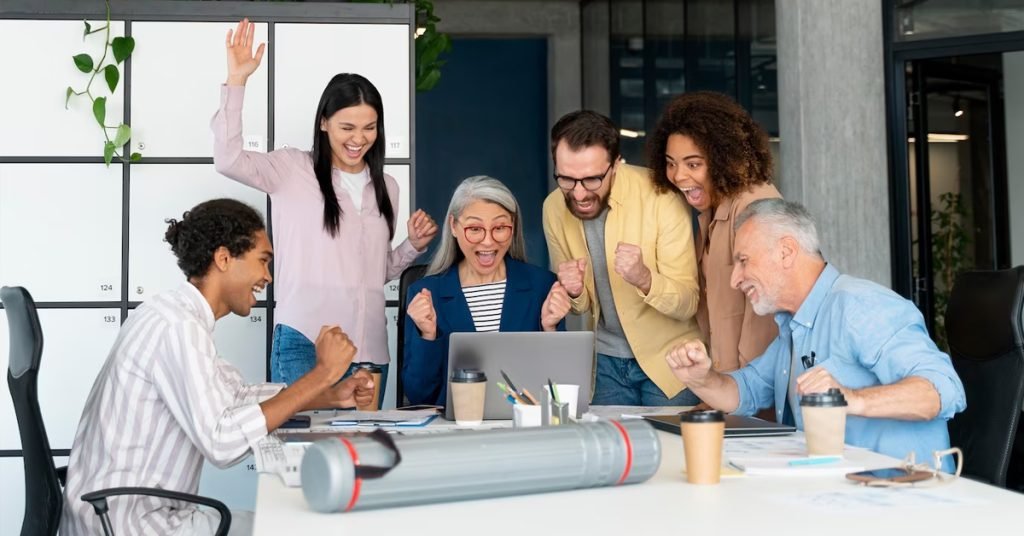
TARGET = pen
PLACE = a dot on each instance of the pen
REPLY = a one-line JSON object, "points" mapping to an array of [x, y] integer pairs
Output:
{"points": [[808, 361], [816, 460], [528, 396], [554, 392]]}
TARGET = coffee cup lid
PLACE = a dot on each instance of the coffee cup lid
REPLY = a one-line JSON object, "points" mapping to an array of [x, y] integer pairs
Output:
{"points": [[468, 376], [372, 367], [710, 415], [830, 399]]}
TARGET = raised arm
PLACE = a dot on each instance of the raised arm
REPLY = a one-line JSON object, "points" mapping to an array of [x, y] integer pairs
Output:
{"points": [[260, 170]]}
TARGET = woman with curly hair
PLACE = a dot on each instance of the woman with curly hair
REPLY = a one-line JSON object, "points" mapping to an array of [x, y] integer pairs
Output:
{"points": [[709, 149]]}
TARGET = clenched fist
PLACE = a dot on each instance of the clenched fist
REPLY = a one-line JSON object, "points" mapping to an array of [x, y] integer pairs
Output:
{"points": [[629, 263], [570, 275], [555, 307], [689, 362], [421, 311], [422, 229], [334, 350]]}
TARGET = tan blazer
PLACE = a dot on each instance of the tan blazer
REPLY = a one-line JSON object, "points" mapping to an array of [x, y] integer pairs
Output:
{"points": [[737, 335], [661, 225]]}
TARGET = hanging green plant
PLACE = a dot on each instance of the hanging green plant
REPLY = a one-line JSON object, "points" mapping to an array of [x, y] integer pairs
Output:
{"points": [[430, 44], [120, 48]]}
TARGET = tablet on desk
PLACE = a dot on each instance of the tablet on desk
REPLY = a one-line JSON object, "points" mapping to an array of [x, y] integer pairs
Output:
{"points": [[735, 426]]}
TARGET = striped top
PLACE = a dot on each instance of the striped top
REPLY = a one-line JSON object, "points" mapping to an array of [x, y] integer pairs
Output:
{"points": [[163, 402], [485, 302]]}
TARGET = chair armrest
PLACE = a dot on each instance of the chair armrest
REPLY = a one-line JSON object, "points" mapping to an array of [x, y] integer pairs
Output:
{"points": [[62, 475], [98, 499]]}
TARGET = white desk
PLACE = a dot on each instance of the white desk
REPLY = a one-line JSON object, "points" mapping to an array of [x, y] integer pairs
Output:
{"points": [[744, 505]]}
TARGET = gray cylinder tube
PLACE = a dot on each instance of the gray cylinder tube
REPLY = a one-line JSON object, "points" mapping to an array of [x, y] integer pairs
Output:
{"points": [[479, 464]]}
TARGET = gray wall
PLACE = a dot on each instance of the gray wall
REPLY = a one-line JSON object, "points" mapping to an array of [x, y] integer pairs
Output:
{"points": [[1013, 91], [832, 127]]}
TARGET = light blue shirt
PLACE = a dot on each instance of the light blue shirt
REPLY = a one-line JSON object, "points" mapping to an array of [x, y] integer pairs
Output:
{"points": [[864, 335]]}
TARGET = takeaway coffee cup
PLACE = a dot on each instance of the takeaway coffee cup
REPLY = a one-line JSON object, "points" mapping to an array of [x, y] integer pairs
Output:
{"points": [[703, 434], [468, 389], [824, 417], [374, 371]]}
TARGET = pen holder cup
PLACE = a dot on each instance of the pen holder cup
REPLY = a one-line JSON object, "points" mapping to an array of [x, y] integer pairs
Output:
{"points": [[553, 414], [526, 415]]}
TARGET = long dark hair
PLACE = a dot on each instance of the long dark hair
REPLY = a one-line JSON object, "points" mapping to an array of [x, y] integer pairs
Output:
{"points": [[343, 91]]}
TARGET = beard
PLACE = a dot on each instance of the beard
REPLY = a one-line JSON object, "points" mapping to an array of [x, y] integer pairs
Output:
{"points": [[601, 202]]}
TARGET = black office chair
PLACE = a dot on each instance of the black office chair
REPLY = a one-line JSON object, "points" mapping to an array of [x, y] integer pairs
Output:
{"points": [[409, 276], [986, 341], [43, 480]]}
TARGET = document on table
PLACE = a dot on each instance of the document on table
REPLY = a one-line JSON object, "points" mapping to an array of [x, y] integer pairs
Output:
{"points": [[857, 499], [283, 459], [383, 418], [772, 456]]}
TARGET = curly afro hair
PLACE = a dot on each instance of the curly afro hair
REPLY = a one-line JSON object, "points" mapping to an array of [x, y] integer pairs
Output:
{"points": [[207, 227], [735, 146]]}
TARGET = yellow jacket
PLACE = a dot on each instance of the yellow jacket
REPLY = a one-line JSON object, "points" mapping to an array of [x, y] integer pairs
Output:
{"points": [[661, 225]]}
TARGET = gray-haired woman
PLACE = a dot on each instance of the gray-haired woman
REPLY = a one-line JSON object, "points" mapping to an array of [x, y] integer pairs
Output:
{"points": [[478, 280]]}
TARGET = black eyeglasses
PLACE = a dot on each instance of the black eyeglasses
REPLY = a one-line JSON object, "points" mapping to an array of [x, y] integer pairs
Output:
{"points": [[589, 183]]}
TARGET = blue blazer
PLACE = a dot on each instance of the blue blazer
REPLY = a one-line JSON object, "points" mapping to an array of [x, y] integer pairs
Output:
{"points": [[425, 363]]}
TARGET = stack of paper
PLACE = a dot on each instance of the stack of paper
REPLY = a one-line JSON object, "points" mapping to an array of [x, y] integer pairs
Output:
{"points": [[783, 456]]}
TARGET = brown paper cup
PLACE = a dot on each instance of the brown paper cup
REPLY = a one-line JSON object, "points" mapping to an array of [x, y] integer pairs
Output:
{"points": [[468, 402], [702, 446], [825, 430]]}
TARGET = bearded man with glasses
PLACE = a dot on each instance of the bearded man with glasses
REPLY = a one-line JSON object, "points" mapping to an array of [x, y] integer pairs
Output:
{"points": [[624, 253]]}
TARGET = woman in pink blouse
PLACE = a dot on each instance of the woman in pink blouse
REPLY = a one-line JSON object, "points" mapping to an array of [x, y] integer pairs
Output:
{"points": [[333, 217]]}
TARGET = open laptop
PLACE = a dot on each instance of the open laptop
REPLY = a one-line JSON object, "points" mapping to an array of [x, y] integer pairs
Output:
{"points": [[735, 426], [529, 359]]}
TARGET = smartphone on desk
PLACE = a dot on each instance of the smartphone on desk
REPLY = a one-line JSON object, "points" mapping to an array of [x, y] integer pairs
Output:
{"points": [[297, 421]]}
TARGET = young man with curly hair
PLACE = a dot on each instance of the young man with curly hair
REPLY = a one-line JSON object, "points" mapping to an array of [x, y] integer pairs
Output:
{"points": [[165, 401], [708, 149], [624, 252]]}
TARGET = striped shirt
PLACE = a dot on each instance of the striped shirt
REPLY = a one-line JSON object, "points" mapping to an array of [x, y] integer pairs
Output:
{"points": [[485, 302], [163, 402]]}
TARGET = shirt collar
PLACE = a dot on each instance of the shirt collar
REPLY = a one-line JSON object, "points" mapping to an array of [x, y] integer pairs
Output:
{"points": [[723, 211], [196, 304], [808, 310]]}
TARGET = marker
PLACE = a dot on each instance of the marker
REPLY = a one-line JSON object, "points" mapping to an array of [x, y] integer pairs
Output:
{"points": [[816, 460]]}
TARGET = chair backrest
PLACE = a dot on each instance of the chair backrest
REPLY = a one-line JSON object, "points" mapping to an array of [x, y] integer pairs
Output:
{"points": [[43, 498], [409, 276], [986, 342]]}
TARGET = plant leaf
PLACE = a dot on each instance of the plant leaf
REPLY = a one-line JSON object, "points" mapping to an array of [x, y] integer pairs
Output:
{"points": [[124, 132], [428, 80], [83, 62], [88, 29], [136, 157], [123, 47], [112, 76], [99, 110], [67, 98], [108, 152]]}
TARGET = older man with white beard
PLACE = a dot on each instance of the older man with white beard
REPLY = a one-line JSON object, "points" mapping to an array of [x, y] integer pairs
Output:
{"points": [[835, 331]]}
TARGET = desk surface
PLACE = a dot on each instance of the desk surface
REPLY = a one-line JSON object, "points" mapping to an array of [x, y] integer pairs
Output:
{"points": [[755, 505]]}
